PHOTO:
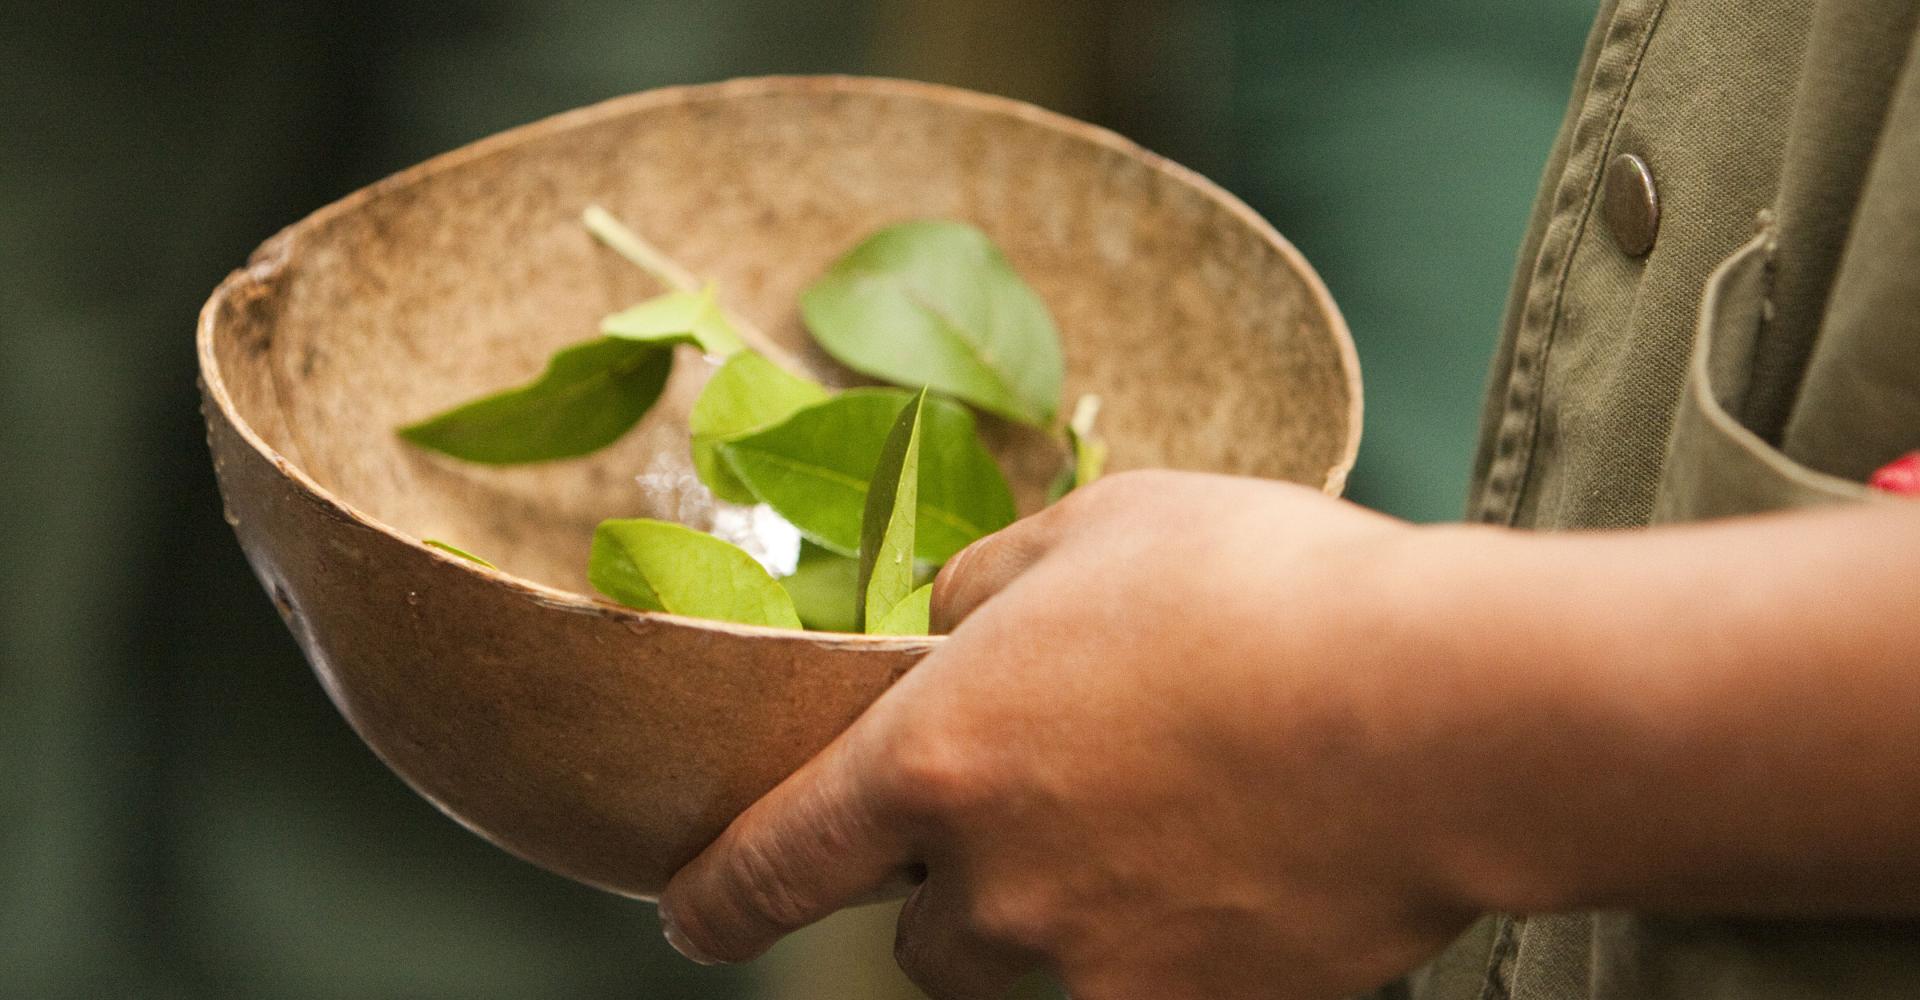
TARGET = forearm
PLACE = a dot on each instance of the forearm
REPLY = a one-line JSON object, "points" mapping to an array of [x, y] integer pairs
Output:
{"points": [[1720, 718]]}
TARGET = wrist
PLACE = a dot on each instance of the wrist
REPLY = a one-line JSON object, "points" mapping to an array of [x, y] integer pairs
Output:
{"points": [[1512, 709], [1669, 719]]}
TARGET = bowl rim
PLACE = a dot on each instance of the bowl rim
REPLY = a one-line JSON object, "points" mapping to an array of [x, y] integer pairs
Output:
{"points": [[270, 257]]}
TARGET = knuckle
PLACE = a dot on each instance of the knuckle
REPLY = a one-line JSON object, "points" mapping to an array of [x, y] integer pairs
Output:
{"points": [[1017, 920], [1133, 483], [937, 780], [1139, 479], [1111, 494], [1084, 501], [768, 889]]}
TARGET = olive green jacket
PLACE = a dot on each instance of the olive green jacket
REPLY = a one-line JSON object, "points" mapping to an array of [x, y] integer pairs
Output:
{"points": [[1762, 352]]}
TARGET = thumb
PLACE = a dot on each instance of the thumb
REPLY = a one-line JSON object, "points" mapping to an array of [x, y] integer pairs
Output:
{"points": [[817, 842]]}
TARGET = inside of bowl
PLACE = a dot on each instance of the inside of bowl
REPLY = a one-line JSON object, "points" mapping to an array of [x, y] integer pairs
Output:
{"points": [[1210, 343]]}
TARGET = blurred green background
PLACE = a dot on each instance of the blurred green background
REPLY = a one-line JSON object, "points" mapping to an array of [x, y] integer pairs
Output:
{"points": [[182, 814]]}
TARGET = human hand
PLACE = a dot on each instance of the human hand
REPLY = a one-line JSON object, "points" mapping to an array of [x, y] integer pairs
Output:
{"points": [[1155, 757]]}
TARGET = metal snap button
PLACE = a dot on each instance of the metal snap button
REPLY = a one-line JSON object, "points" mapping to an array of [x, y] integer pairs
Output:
{"points": [[1631, 205]]}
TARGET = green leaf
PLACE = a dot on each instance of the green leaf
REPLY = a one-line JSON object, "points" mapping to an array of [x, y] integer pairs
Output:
{"points": [[814, 468], [886, 525], [662, 566], [1088, 460], [823, 588], [677, 318], [435, 543], [748, 394], [910, 616], [590, 394], [935, 303]]}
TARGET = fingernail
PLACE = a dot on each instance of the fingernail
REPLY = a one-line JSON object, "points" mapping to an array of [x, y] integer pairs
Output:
{"points": [[670, 929]]}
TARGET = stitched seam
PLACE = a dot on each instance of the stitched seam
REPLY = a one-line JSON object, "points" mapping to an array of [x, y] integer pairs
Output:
{"points": [[1522, 459], [1494, 987], [1770, 270]]}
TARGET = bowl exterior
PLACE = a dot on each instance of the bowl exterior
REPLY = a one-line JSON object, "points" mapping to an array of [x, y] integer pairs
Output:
{"points": [[606, 745], [610, 745]]}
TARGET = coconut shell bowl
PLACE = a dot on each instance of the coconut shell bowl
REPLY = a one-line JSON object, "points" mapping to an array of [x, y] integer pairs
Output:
{"points": [[607, 744]]}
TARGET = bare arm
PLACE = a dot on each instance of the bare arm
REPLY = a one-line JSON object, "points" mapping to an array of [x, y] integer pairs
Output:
{"points": [[1720, 718], [1200, 736]]}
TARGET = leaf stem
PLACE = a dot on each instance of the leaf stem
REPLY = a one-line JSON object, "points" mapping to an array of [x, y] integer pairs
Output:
{"points": [[669, 272], [635, 248]]}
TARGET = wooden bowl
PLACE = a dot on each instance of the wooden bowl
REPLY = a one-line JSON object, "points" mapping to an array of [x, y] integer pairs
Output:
{"points": [[606, 744]]}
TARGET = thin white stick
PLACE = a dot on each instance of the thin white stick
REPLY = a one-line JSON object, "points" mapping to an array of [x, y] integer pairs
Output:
{"points": [[1085, 412]]}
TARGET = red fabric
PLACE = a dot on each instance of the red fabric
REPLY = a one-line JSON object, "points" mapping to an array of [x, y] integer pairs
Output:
{"points": [[1901, 476]]}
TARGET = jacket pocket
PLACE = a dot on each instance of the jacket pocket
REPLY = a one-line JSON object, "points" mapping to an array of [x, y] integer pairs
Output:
{"points": [[1716, 466]]}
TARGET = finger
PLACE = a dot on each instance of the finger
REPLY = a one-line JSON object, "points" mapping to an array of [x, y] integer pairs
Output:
{"points": [[944, 951], [984, 568], [813, 845]]}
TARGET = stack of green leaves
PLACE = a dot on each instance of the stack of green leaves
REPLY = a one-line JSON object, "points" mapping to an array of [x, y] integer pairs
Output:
{"points": [[883, 484]]}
